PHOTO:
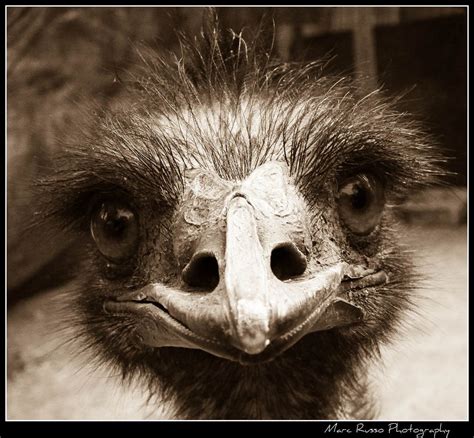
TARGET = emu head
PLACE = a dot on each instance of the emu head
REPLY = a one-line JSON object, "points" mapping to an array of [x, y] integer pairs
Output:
{"points": [[235, 227]]}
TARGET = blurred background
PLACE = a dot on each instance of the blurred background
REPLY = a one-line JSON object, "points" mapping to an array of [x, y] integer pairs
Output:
{"points": [[61, 58]]}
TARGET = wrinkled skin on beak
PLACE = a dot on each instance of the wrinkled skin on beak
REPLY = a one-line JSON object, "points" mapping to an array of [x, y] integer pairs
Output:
{"points": [[252, 284]]}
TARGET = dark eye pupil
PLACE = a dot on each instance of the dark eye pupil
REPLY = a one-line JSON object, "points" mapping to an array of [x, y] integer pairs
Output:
{"points": [[356, 195], [115, 227], [359, 198], [115, 220]]}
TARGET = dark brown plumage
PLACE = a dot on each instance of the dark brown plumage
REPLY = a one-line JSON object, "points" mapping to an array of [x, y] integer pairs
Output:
{"points": [[238, 245]]}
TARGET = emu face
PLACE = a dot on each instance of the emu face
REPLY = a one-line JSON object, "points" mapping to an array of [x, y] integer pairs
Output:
{"points": [[253, 278], [251, 265], [237, 238]]}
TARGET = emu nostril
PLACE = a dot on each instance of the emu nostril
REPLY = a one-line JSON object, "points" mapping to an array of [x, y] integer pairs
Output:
{"points": [[287, 261], [202, 271]]}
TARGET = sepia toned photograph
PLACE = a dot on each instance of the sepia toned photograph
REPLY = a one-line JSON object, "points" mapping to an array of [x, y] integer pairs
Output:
{"points": [[236, 213]]}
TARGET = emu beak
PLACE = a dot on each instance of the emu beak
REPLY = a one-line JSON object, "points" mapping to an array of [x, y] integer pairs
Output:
{"points": [[251, 315], [246, 280]]}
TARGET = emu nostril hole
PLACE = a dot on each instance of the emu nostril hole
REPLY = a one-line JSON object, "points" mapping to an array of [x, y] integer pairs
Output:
{"points": [[287, 261], [202, 272]]}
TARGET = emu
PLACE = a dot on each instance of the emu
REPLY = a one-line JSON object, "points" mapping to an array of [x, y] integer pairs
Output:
{"points": [[239, 249]]}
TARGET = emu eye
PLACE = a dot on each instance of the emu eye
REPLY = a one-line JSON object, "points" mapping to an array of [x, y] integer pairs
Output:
{"points": [[360, 203], [114, 227]]}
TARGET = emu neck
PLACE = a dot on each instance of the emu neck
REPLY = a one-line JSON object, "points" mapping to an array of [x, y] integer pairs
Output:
{"points": [[298, 385]]}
